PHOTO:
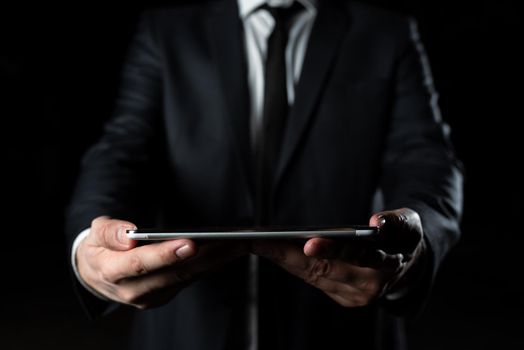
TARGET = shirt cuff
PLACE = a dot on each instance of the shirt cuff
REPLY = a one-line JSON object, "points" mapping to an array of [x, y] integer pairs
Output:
{"points": [[76, 243]]}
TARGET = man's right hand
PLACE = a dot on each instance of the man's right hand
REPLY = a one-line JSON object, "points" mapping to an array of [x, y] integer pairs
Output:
{"points": [[149, 275]]}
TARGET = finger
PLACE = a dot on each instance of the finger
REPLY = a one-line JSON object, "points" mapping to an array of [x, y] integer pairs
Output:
{"points": [[209, 257], [348, 296], [285, 254], [150, 290], [322, 248], [155, 297], [183, 255], [357, 252], [344, 249], [160, 287], [311, 269], [348, 284], [111, 233], [362, 287], [145, 259], [331, 276], [149, 287], [378, 220], [281, 252]]}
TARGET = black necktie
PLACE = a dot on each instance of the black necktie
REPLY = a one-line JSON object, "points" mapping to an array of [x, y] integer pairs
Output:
{"points": [[276, 108]]}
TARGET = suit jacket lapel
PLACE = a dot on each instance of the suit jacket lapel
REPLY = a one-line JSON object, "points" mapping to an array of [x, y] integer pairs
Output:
{"points": [[329, 29], [225, 34]]}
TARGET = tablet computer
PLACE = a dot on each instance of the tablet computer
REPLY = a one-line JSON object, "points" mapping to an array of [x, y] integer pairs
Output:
{"points": [[254, 233]]}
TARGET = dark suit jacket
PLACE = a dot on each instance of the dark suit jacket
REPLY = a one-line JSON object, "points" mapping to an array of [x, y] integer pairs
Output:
{"points": [[365, 118]]}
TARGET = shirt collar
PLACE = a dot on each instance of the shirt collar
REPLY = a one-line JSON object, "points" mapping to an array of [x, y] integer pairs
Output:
{"points": [[246, 7]]}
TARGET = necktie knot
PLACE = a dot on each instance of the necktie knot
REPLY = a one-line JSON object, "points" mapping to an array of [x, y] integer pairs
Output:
{"points": [[283, 16]]}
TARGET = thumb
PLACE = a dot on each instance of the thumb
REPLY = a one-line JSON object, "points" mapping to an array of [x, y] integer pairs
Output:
{"points": [[111, 233], [400, 230]]}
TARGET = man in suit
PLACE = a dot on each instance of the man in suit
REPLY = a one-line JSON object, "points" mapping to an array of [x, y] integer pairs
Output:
{"points": [[222, 122]]}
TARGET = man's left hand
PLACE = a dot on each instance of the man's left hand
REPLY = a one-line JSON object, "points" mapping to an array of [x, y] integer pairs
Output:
{"points": [[354, 272]]}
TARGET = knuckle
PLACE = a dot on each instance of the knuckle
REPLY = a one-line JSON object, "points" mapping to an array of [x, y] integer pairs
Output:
{"points": [[166, 255], [137, 266], [99, 224], [370, 288], [397, 220], [106, 273], [408, 214], [317, 269], [102, 233], [127, 296], [110, 288], [96, 222], [402, 217], [415, 216]]}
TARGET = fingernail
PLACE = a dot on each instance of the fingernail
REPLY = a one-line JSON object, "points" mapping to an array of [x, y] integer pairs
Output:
{"points": [[184, 252], [121, 235]]}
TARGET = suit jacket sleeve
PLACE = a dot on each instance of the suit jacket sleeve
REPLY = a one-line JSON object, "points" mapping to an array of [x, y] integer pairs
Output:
{"points": [[113, 168], [420, 170]]}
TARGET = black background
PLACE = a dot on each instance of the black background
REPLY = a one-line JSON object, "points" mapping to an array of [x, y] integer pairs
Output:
{"points": [[59, 70]]}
